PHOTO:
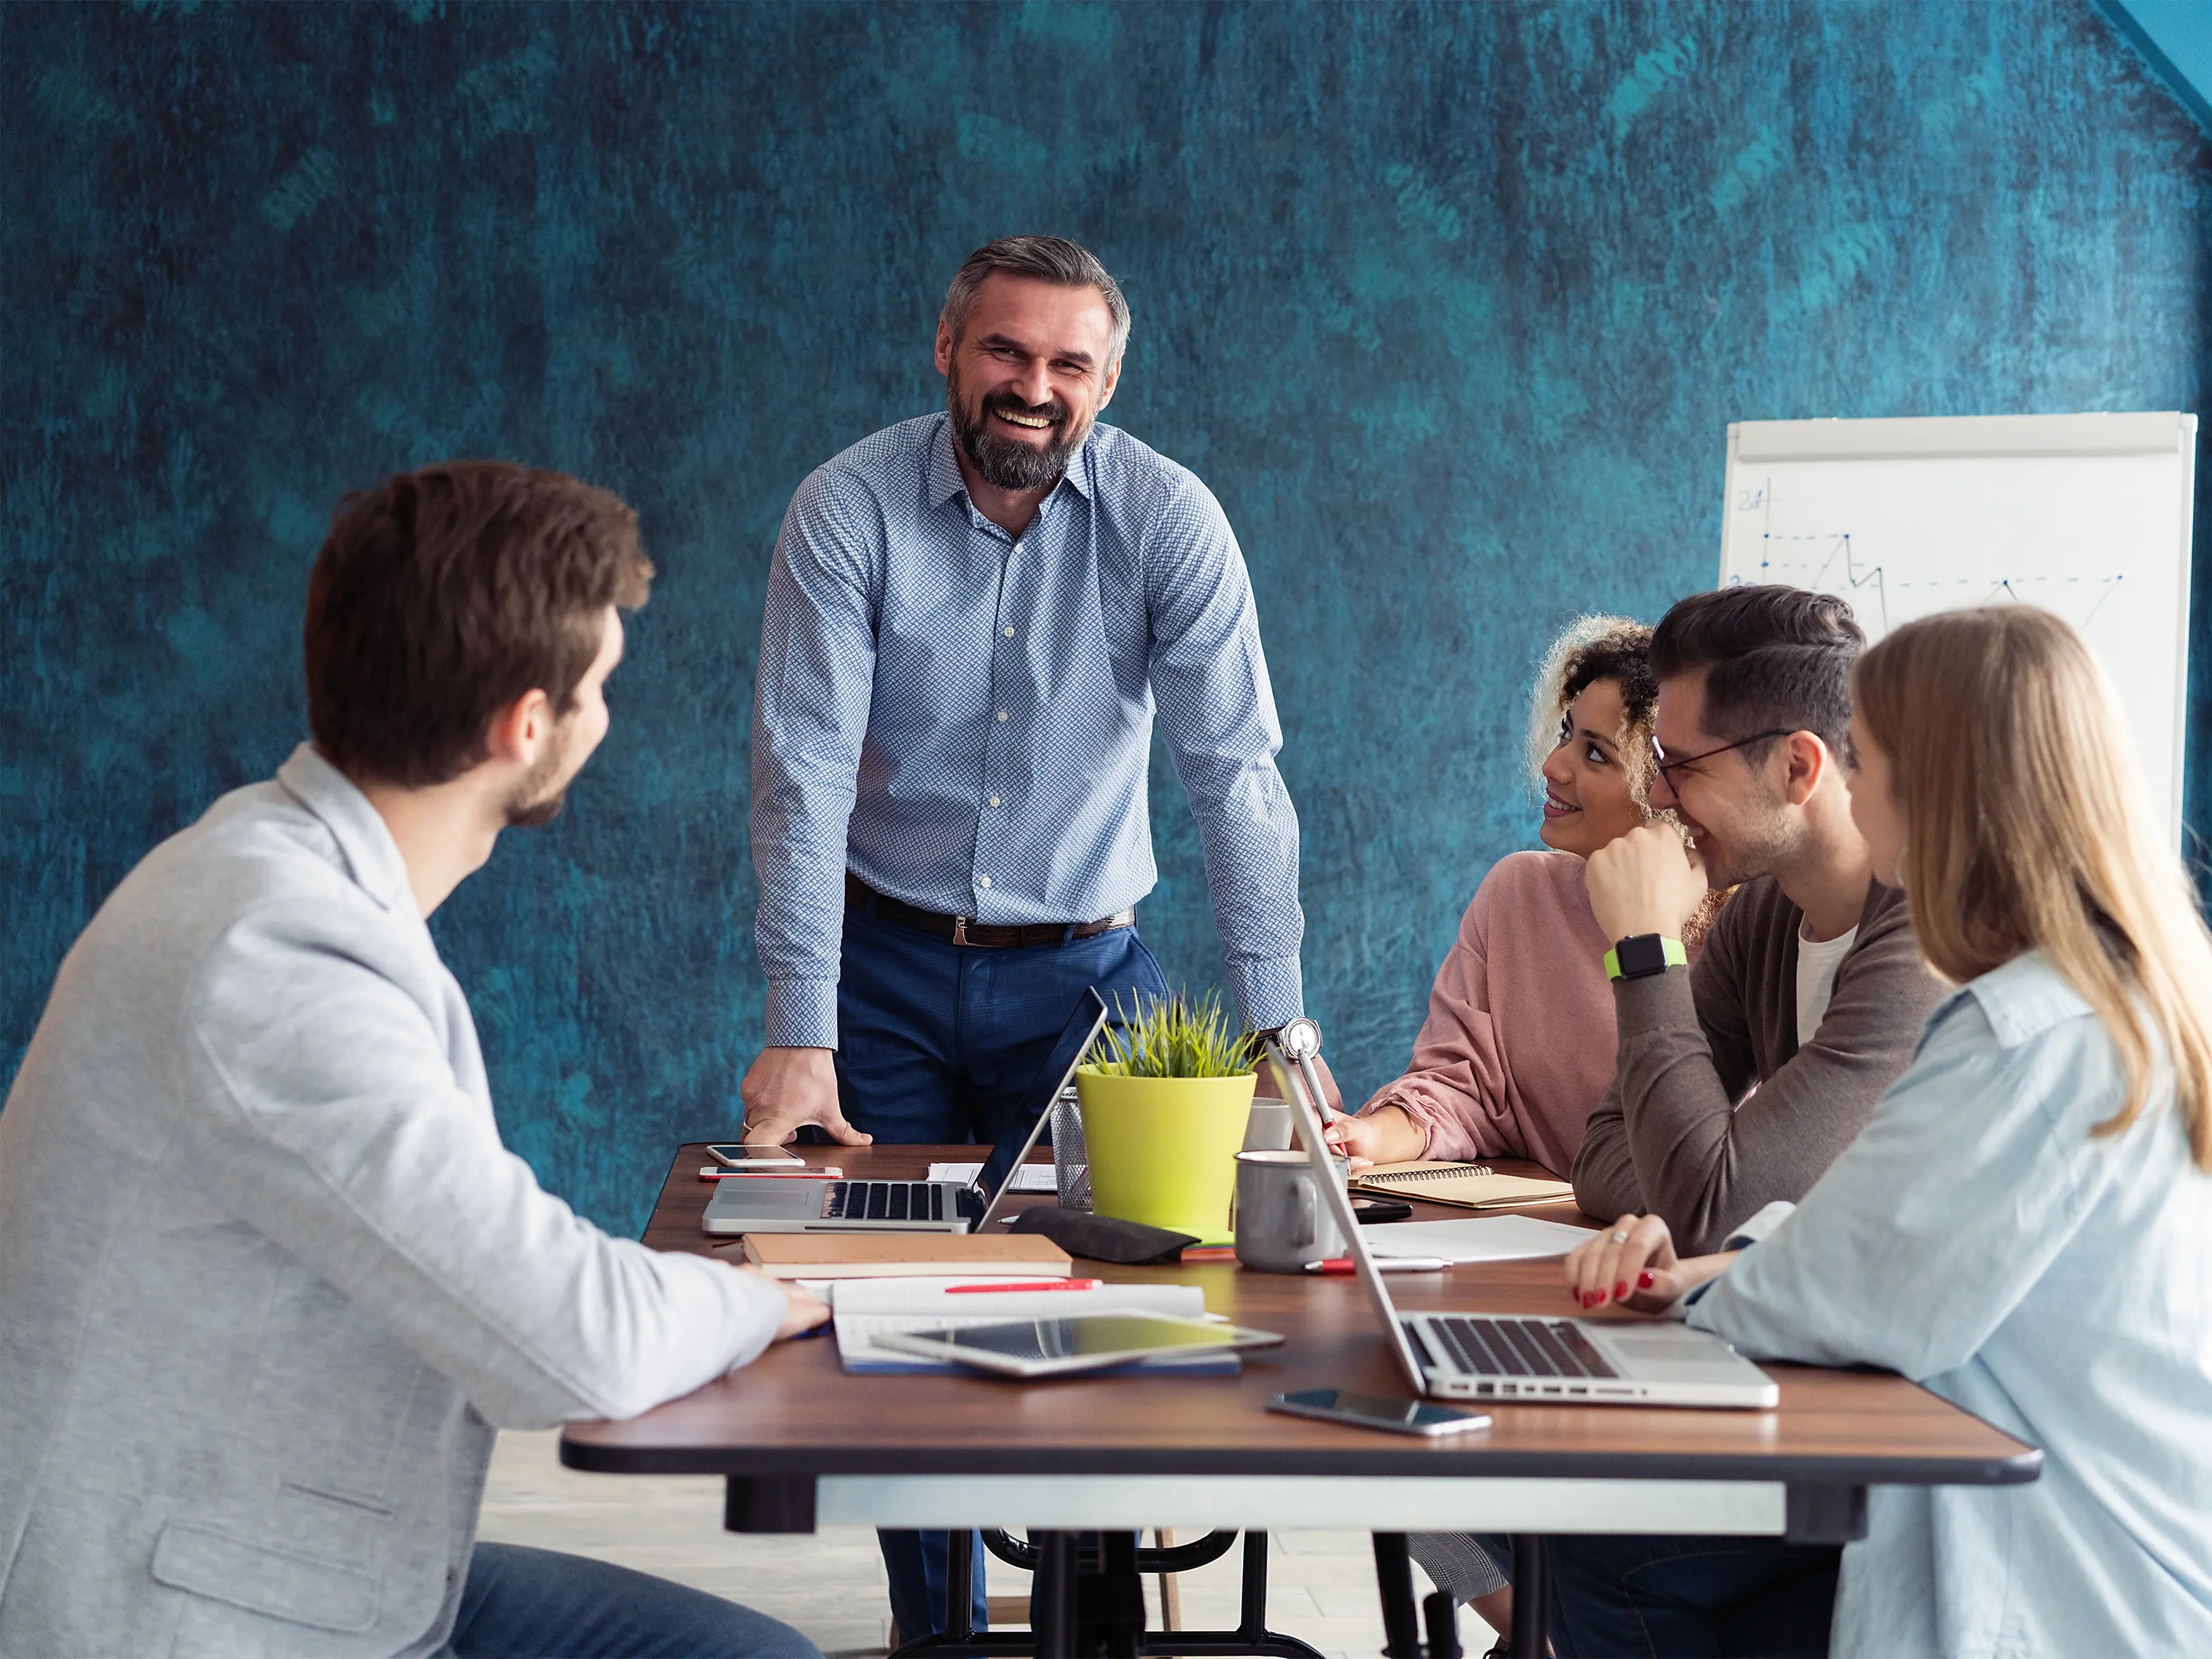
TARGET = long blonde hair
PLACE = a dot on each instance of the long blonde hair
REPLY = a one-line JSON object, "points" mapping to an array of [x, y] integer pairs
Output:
{"points": [[2028, 828]]}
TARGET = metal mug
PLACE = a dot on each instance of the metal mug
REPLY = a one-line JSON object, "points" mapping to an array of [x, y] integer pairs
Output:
{"points": [[1282, 1222]]}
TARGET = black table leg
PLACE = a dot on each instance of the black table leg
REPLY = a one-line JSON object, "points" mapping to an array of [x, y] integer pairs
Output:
{"points": [[1393, 1579], [1119, 1610], [960, 1586], [1532, 1592], [1055, 1595], [1441, 1615]]}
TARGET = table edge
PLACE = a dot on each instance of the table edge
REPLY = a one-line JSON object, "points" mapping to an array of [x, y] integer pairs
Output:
{"points": [[2018, 1468]]}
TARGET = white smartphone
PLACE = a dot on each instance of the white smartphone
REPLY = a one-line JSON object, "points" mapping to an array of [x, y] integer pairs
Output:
{"points": [[1376, 1411], [755, 1158]]}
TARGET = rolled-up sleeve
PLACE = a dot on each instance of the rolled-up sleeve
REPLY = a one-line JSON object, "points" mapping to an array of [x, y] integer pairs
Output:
{"points": [[810, 704], [1218, 712]]}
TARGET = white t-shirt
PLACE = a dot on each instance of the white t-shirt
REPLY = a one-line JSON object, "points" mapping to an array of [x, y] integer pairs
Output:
{"points": [[1817, 961]]}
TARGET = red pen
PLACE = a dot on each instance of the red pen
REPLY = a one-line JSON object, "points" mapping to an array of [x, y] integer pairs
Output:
{"points": [[1340, 1266], [1040, 1285]]}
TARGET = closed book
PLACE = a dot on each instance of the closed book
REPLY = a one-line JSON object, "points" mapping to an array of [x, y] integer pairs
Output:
{"points": [[1465, 1185], [907, 1255]]}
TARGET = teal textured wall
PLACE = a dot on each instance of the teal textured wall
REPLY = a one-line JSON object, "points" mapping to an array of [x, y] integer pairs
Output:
{"points": [[1450, 305]]}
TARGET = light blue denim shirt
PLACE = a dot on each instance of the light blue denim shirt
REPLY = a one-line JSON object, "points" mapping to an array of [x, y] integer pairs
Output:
{"points": [[964, 719], [1976, 1239]]}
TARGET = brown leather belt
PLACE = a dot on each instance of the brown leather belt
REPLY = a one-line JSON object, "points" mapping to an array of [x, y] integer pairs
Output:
{"points": [[984, 936]]}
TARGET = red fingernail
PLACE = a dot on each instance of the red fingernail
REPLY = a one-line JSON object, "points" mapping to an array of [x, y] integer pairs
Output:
{"points": [[1590, 1298], [1643, 1281], [1621, 1290]]}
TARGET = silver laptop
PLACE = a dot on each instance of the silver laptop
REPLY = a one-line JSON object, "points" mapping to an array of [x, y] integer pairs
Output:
{"points": [[1486, 1356], [782, 1205]]}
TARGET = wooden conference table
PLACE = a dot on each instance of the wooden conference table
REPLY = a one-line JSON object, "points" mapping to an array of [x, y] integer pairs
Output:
{"points": [[801, 1443]]}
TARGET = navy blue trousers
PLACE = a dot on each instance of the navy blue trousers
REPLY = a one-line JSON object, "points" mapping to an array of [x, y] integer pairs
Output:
{"points": [[940, 1042], [524, 1603], [1698, 1598]]}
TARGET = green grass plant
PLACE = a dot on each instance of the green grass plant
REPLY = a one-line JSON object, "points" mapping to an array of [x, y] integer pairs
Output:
{"points": [[1172, 1036]]}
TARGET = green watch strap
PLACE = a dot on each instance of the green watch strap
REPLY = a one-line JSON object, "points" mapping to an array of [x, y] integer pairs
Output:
{"points": [[1671, 951]]}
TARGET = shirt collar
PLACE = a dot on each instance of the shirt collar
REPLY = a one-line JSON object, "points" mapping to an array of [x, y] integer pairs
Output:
{"points": [[945, 482], [2021, 999], [370, 855]]}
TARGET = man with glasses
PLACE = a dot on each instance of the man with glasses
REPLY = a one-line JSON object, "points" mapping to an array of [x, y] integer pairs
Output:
{"points": [[1738, 1083]]}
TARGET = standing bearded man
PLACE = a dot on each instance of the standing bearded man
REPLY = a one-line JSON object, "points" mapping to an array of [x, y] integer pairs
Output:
{"points": [[968, 618]]}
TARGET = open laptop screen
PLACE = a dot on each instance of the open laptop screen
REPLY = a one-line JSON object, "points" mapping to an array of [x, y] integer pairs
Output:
{"points": [[1060, 1063]]}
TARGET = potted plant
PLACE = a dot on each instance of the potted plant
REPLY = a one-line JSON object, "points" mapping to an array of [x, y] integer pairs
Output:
{"points": [[1164, 1099]]}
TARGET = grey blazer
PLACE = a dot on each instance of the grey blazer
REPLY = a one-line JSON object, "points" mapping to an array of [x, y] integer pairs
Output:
{"points": [[268, 1279]]}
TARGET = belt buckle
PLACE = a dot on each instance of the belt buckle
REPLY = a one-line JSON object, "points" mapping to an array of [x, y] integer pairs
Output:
{"points": [[959, 930]]}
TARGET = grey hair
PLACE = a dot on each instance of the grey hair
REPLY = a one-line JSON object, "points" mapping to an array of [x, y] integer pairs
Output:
{"points": [[1046, 259]]}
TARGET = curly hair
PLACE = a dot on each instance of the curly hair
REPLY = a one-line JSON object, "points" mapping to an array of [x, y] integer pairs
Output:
{"points": [[1595, 648], [1615, 648]]}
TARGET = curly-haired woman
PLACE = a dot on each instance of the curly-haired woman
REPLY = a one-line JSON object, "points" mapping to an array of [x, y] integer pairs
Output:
{"points": [[1518, 1045]]}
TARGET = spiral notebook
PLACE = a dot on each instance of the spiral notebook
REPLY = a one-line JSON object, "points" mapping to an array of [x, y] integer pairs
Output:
{"points": [[1464, 1186]]}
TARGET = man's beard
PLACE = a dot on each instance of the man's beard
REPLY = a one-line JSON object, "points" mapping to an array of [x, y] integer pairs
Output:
{"points": [[1008, 462], [1759, 849], [536, 800]]}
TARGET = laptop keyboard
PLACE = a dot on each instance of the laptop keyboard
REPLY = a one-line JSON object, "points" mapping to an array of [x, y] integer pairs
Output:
{"points": [[1519, 1347], [883, 1201]]}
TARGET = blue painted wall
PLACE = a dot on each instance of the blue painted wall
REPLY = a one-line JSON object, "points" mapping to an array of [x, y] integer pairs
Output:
{"points": [[2175, 36], [1450, 304]]}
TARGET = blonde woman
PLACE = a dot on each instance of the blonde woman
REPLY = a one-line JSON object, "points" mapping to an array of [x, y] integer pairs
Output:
{"points": [[2025, 1227], [1518, 1045]]}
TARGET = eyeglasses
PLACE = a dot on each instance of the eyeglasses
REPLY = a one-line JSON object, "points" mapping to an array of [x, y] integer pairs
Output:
{"points": [[1666, 769]]}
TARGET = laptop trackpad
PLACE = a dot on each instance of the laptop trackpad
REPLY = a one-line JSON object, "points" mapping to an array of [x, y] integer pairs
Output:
{"points": [[1669, 1352], [774, 1201]]}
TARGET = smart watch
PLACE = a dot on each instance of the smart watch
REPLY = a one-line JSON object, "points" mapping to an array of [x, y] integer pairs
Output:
{"points": [[1642, 955]]}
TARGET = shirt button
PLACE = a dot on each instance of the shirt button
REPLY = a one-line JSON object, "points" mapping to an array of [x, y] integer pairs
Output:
{"points": [[995, 801], [1002, 717], [1009, 633], [983, 881], [1018, 547]]}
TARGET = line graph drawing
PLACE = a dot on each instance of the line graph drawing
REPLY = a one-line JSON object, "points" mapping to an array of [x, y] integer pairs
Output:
{"points": [[2086, 516]]}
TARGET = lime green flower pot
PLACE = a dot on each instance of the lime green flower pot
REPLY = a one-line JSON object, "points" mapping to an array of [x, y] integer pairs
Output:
{"points": [[1162, 1150]]}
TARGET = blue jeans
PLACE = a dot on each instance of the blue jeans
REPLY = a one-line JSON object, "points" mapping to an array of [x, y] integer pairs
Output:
{"points": [[939, 1043], [522, 1603], [1655, 1597]]}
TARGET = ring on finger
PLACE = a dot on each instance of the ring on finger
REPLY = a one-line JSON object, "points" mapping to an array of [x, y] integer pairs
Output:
{"points": [[1620, 1238]]}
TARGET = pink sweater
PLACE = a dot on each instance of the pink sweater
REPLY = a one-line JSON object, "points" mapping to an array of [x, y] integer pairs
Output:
{"points": [[1518, 1047]]}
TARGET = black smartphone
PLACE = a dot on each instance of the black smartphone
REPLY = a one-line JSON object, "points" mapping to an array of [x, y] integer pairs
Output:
{"points": [[1368, 1210], [1377, 1411]]}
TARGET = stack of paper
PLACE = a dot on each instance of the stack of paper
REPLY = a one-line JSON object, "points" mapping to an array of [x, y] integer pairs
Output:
{"points": [[863, 1308], [1492, 1238]]}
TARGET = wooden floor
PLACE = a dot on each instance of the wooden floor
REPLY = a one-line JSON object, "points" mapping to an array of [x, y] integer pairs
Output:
{"points": [[1322, 1585]]}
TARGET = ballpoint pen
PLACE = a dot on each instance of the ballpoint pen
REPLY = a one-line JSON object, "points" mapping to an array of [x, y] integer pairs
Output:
{"points": [[1038, 1284], [1339, 1266]]}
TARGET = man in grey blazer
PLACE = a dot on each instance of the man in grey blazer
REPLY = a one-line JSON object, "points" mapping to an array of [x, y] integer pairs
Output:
{"points": [[269, 1282]]}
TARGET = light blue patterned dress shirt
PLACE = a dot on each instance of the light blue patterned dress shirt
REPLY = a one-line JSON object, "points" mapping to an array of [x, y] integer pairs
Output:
{"points": [[964, 718], [1976, 1239]]}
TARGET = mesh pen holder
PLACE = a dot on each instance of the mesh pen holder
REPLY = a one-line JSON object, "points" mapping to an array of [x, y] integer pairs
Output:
{"points": [[1070, 1168]]}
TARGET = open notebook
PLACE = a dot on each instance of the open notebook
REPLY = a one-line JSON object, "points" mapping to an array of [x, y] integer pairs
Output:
{"points": [[1466, 1186]]}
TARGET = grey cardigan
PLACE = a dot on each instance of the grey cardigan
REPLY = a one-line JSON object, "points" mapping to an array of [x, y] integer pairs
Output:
{"points": [[268, 1279], [1681, 1133]]}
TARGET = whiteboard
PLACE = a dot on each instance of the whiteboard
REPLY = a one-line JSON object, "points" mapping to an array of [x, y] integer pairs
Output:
{"points": [[2086, 515]]}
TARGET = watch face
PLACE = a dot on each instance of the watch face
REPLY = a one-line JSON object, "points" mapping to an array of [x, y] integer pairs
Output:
{"points": [[1300, 1039], [1640, 955]]}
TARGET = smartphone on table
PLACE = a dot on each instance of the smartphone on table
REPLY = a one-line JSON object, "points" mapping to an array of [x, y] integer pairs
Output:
{"points": [[756, 1158], [1377, 1411]]}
